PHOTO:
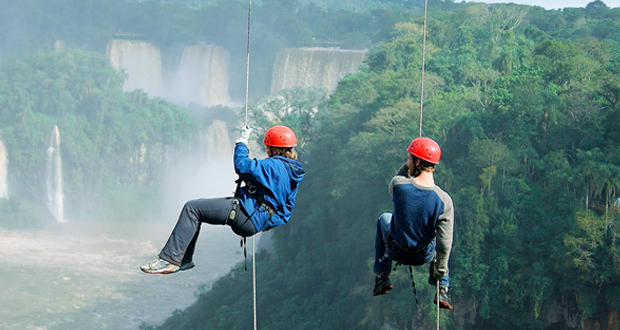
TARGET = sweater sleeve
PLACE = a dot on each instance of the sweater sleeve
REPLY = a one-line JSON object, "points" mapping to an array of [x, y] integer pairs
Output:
{"points": [[445, 233]]}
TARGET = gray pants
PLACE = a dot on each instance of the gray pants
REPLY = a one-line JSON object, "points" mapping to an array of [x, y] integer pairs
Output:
{"points": [[180, 246]]}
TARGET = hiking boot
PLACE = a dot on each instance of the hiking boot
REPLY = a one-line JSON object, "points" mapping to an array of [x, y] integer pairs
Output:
{"points": [[160, 266], [444, 299], [383, 285], [187, 265]]}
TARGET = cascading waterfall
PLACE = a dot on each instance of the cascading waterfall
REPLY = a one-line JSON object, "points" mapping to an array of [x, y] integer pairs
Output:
{"points": [[313, 67], [4, 191], [218, 144], [202, 77], [55, 196], [141, 61]]}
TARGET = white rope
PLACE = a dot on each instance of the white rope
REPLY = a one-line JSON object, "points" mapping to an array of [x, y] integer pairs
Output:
{"points": [[254, 278], [438, 305], [247, 84], [423, 64], [422, 108], [247, 65]]}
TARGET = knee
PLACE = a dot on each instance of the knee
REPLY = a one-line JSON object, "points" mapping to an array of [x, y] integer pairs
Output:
{"points": [[384, 220], [190, 208]]}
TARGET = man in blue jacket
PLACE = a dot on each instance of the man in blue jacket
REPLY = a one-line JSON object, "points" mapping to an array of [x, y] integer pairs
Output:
{"points": [[265, 201], [421, 228]]}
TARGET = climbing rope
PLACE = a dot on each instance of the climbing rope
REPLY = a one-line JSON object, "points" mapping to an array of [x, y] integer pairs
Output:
{"points": [[254, 278], [422, 114], [423, 64], [247, 64], [437, 305], [247, 84]]}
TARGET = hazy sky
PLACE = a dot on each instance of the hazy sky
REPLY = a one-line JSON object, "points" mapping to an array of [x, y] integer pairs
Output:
{"points": [[553, 4]]}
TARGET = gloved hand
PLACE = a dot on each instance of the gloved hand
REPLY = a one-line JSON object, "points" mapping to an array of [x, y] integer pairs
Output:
{"points": [[403, 171], [244, 136], [437, 274]]}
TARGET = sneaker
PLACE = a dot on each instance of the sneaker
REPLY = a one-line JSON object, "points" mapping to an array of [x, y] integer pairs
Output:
{"points": [[187, 265], [444, 299], [160, 266], [383, 285]]}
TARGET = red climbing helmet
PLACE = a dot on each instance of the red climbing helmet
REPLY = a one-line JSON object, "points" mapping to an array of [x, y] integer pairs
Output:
{"points": [[280, 137], [425, 149]]}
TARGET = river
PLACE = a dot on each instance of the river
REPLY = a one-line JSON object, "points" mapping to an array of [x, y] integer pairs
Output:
{"points": [[85, 275]]}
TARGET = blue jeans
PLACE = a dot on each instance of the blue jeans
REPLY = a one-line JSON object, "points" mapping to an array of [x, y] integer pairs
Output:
{"points": [[386, 250], [182, 241]]}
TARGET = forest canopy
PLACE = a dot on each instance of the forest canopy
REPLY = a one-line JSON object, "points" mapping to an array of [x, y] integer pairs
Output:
{"points": [[523, 101]]}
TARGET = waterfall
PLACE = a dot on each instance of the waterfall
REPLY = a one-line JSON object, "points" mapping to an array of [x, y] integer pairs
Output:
{"points": [[313, 67], [142, 63], [202, 77], [218, 144], [53, 180], [4, 191]]}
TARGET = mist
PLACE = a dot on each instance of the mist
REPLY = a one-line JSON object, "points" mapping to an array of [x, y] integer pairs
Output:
{"points": [[74, 232]]}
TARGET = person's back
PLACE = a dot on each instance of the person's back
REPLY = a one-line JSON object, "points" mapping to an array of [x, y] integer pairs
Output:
{"points": [[422, 222], [417, 211]]}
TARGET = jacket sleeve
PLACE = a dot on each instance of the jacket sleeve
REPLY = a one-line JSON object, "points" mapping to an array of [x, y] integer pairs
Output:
{"points": [[445, 233], [246, 167]]}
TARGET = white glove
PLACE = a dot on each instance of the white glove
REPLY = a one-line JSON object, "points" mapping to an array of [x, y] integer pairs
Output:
{"points": [[244, 136]]}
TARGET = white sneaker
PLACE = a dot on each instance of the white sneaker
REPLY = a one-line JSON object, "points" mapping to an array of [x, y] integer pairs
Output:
{"points": [[159, 266]]}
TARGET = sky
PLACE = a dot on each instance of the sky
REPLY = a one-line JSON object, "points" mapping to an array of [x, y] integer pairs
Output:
{"points": [[553, 4]]}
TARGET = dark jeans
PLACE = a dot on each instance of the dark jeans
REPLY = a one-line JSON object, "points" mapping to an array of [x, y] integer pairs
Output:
{"points": [[386, 251], [182, 241]]}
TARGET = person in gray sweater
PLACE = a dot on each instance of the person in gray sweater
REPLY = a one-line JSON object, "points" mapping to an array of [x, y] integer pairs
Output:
{"points": [[420, 229]]}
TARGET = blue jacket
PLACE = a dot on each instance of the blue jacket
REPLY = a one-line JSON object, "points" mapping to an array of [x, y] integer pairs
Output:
{"points": [[276, 179]]}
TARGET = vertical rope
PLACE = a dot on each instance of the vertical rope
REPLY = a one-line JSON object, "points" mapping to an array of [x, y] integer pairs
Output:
{"points": [[437, 305], [247, 85], [247, 65], [254, 278], [423, 64]]}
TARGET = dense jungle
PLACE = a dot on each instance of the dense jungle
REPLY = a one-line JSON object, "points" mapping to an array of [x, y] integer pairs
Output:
{"points": [[525, 103]]}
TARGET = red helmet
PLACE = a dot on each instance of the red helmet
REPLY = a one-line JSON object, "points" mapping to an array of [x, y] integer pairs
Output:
{"points": [[281, 137], [425, 149]]}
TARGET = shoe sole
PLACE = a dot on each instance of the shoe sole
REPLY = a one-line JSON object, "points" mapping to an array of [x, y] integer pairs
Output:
{"points": [[443, 305], [162, 271], [187, 266], [384, 292]]}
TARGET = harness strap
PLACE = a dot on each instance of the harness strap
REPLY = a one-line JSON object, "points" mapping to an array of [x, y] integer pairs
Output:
{"points": [[415, 294], [390, 239], [245, 253]]}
